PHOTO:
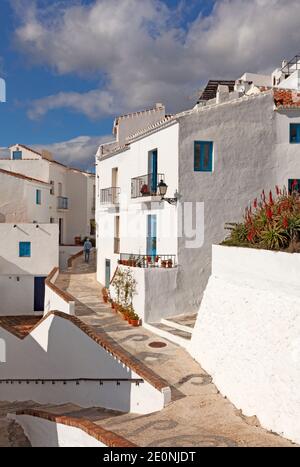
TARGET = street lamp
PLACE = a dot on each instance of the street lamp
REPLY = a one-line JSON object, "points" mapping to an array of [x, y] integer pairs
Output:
{"points": [[163, 188]]}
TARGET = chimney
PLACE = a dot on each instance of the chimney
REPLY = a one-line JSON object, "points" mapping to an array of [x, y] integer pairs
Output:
{"points": [[222, 93]]}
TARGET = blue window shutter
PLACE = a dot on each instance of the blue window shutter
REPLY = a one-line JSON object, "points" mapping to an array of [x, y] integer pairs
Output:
{"points": [[25, 249], [294, 133], [203, 156], [38, 196]]}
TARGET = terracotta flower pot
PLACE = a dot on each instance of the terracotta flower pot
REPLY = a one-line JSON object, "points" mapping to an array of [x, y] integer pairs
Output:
{"points": [[135, 322]]}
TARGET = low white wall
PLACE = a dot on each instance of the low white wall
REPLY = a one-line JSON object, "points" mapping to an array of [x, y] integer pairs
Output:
{"points": [[45, 433], [54, 300], [58, 349], [65, 252], [247, 334], [156, 289]]}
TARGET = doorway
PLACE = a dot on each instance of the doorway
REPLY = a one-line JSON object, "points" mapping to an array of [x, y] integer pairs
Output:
{"points": [[39, 293]]}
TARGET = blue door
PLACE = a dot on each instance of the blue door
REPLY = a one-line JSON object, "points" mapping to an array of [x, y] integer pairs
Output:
{"points": [[152, 164], [107, 273], [39, 293], [151, 235]]}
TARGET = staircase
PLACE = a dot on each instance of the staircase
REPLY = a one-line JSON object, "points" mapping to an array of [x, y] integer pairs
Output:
{"points": [[11, 434], [177, 329]]}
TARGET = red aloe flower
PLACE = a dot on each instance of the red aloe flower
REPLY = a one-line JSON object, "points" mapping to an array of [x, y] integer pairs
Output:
{"points": [[285, 222], [269, 213], [271, 198], [294, 184], [255, 203], [263, 196], [277, 190]]}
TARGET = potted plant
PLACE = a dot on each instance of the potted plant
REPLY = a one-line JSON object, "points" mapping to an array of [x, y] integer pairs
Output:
{"points": [[164, 264], [170, 263], [134, 320]]}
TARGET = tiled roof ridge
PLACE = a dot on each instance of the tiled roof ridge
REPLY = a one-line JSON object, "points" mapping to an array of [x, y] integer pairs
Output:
{"points": [[51, 161], [153, 126], [22, 176], [104, 341], [286, 98], [139, 112], [109, 438]]}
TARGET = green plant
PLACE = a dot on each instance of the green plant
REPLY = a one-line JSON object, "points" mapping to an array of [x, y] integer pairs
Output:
{"points": [[273, 222]]}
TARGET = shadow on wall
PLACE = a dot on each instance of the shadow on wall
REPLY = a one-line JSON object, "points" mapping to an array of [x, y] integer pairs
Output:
{"points": [[68, 353]]}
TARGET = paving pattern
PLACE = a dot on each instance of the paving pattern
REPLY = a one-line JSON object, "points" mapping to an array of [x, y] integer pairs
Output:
{"points": [[198, 415]]}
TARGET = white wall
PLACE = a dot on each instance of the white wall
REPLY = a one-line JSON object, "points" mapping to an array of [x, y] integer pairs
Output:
{"points": [[45, 433], [59, 349], [18, 200], [247, 334], [56, 300], [17, 274], [133, 213], [65, 252]]}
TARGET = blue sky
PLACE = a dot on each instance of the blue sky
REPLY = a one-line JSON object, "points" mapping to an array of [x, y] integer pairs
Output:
{"points": [[72, 66]]}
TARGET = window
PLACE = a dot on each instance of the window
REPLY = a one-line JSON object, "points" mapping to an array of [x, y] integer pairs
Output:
{"points": [[24, 249], [52, 220], [38, 197], [117, 235], [52, 191], [295, 133], [203, 156], [17, 155], [294, 185]]}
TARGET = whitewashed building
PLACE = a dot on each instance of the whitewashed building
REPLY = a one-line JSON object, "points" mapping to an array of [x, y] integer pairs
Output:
{"points": [[71, 203], [242, 136]]}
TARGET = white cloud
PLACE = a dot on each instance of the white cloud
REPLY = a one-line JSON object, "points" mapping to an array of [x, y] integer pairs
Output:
{"points": [[142, 53], [78, 152]]}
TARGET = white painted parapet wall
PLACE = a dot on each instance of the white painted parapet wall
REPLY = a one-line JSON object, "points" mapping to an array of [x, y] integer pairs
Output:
{"points": [[55, 298], [61, 351], [247, 334]]}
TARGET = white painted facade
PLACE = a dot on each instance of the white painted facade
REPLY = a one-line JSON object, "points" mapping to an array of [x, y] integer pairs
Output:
{"points": [[247, 334], [17, 274], [72, 192], [251, 152]]}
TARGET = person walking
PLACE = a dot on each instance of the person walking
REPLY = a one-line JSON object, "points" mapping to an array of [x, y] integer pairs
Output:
{"points": [[87, 250]]}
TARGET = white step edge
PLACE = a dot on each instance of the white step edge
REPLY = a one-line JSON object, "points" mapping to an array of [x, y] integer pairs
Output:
{"points": [[180, 327], [167, 335]]}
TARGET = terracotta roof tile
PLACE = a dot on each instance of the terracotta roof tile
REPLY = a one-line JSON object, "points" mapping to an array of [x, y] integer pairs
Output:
{"points": [[286, 98]]}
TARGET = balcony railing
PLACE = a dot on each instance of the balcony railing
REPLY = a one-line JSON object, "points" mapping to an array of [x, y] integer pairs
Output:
{"points": [[145, 185], [62, 202], [147, 261], [110, 195], [116, 245]]}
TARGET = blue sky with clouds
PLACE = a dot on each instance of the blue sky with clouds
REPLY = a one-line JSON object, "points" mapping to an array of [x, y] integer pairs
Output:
{"points": [[71, 66]]}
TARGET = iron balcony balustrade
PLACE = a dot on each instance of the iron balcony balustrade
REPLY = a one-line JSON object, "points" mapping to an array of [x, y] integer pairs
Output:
{"points": [[110, 195], [146, 185], [148, 261], [62, 203]]}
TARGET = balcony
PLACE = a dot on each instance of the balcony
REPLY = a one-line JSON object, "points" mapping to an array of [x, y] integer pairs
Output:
{"points": [[110, 196], [148, 261], [146, 186], [62, 203]]}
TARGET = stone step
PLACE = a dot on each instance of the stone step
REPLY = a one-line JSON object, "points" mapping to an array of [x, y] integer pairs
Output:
{"points": [[177, 336]]}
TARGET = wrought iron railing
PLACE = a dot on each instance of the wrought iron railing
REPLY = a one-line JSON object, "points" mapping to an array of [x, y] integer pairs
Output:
{"points": [[62, 202], [147, 261], [116, 245], [146, 185], [110, 195]]}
